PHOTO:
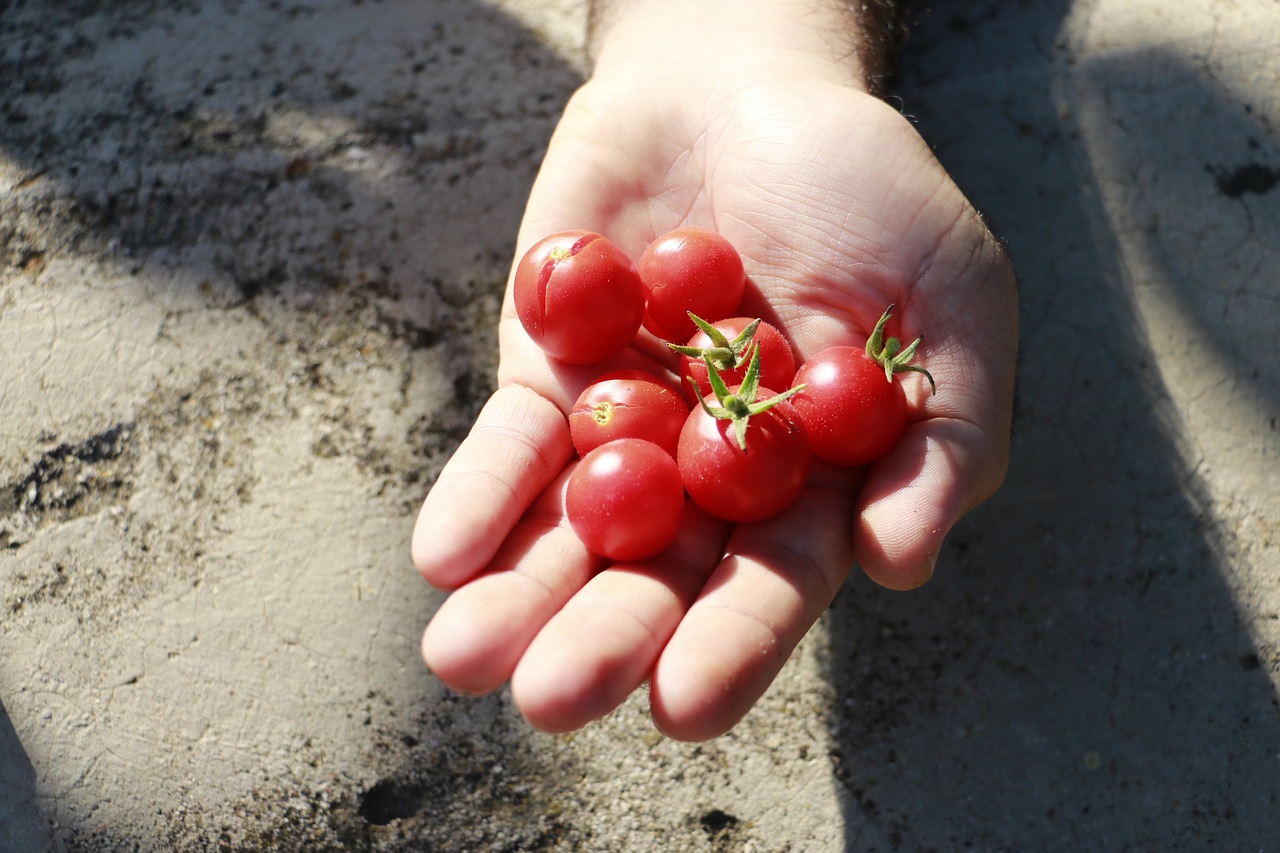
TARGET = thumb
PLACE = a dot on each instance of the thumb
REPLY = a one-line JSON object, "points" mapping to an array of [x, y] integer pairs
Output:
{"points": [[941, 469]]}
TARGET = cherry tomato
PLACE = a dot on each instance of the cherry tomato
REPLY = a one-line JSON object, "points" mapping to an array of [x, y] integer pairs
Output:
{"points": [[689, 269], [777, 361], [627, 404], [852, 412], [579, 297], [625, 500], [750, 485]]}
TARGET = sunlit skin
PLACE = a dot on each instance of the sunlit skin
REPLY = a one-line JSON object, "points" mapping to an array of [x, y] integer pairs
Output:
{"points": [[767, 136]]}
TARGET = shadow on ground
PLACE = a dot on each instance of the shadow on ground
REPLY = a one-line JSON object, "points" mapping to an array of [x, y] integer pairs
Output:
{"points": [[1078, 675], [351, 177], [22, 826]]}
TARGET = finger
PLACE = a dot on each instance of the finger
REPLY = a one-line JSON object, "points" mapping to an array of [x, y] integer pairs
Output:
{"points": [[763, 597], [912, 498], [478, 635], [596, 651], [519, 443]]}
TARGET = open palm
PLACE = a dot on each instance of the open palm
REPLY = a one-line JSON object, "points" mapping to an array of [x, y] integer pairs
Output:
{"points": [[839, 210]]}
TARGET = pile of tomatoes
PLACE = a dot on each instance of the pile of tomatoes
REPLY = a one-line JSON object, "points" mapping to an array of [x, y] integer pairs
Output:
{"points": [[742, 451]]}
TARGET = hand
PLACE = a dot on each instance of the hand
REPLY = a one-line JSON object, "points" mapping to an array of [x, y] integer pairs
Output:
{"points": [[839, 210]]}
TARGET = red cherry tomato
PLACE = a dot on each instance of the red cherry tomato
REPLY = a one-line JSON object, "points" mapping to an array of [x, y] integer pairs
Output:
{"points": [[625, 499], [777, 361], [627, 404], [852, 412], [750, 485], [578, 296], [689, 269]]}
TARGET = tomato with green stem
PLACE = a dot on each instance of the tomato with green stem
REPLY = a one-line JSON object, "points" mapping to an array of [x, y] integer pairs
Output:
{"points": [[728, 345], [852, 406], [743, 452]]}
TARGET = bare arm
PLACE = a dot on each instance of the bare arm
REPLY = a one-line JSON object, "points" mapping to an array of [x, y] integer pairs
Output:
{"points": [[870, 31]]}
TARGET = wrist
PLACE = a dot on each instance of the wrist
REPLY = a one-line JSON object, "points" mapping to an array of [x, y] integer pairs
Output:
{"points": [[749, 38]]}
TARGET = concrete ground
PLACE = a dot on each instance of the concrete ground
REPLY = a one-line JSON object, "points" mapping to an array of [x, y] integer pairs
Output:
{"points": [[250, 263]]}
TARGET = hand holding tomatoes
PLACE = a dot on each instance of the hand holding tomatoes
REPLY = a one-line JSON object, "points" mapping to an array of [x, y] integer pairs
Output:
{"points": [[837, 209]]}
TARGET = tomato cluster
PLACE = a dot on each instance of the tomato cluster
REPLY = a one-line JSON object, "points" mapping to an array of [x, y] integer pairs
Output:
{"points": [[740, 447]]}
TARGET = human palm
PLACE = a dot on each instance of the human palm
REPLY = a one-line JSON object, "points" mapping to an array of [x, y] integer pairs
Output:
{"points": [[839, 210]]}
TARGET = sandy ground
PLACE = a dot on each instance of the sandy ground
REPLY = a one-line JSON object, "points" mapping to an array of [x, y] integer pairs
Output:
{"points": [[250, 262]]}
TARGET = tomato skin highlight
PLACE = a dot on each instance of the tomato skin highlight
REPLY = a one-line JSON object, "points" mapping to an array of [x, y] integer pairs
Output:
{"points": [[852, 412], [625, 500], [627, 404], [751, 485], [689, 269], [777, 360], [578, 296]]}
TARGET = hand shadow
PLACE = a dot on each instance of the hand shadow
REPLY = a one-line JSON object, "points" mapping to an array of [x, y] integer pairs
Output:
{"points": [[1079, 674]]}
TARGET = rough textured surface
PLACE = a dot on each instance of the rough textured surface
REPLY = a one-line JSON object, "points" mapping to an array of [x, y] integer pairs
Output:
{"points": [[250, 261]]}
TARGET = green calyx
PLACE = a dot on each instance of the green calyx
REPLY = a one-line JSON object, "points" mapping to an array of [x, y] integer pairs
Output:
{"points": [[725, 354], [739, 407], [890, 353]]}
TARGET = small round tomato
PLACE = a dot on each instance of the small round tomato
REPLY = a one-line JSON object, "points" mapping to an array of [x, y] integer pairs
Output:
{"points": [[852, 412], [689, 269], [625, 500], [744, 485], [627, 404], [777, 361], [578, 296]]}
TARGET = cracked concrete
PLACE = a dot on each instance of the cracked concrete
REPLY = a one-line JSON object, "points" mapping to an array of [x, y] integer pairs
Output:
{"points": [[251, 262]]}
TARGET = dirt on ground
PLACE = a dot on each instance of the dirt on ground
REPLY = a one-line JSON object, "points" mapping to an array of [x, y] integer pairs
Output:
{"points": [[251, 258]]}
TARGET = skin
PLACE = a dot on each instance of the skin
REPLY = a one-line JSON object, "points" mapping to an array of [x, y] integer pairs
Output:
{"points": [[766, 134]]}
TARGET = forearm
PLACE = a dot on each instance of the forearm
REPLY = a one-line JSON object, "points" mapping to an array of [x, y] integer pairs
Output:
{"points": [[862, 38], [881, 32]]}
